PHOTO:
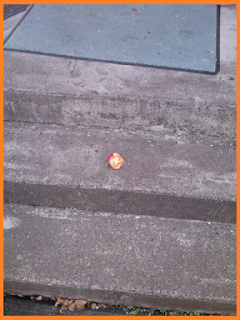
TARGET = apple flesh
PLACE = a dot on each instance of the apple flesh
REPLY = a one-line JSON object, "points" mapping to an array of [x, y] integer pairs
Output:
{"points": [[115, 160]]}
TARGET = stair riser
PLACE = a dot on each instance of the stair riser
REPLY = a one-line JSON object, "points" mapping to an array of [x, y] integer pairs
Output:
{"points": [[121, 112], [120, 201]]}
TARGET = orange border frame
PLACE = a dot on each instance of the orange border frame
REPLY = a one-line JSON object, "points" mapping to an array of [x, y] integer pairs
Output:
{"points": [[1, 113]]}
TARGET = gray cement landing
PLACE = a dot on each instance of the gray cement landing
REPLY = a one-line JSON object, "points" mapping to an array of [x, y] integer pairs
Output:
{"points": [[65, 91], [163, 175], [120, 259]]}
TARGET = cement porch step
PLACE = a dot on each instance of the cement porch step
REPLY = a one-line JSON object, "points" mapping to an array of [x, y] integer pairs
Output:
{"points": [[120, 259], [65, 91], [72, 92], [165, 175]]}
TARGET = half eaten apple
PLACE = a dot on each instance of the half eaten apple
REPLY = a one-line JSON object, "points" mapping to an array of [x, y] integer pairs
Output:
{"points": [[115, 160]]}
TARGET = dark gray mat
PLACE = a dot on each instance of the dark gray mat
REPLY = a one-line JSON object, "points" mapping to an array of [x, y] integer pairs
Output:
{"points": [[169, 36]]}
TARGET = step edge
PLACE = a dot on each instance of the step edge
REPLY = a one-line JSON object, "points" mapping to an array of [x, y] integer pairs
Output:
{"points": [[118, 297]]}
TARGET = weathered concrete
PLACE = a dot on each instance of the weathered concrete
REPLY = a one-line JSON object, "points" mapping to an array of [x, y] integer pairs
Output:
{"points": [[65, 91], [165, 175], [10, 23], [120, 259], [146, 258]]}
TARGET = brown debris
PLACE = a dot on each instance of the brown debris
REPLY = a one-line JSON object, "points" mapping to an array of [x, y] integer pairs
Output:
{"points": [[80, 304], [71, 305], [38, 298], [59, 301], [93, 306]]}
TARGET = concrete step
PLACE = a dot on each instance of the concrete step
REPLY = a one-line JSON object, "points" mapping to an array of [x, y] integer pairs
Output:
{"points": [[120, 259], [65, 91], [49, 89], [164, 174], [71, 92]]}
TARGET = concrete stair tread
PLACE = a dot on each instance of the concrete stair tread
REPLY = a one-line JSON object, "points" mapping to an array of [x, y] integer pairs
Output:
{"points": [[139, 260], [67, 167]]}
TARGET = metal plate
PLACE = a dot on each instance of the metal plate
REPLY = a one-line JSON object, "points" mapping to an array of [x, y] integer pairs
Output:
{"points": [[181, 37]]}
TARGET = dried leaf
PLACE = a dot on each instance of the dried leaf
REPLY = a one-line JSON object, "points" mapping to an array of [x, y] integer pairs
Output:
{"points": [[93, 306], [39, 298], [80, 304], [59, 301], [63, 308], [66, 302], [72, 305]]}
